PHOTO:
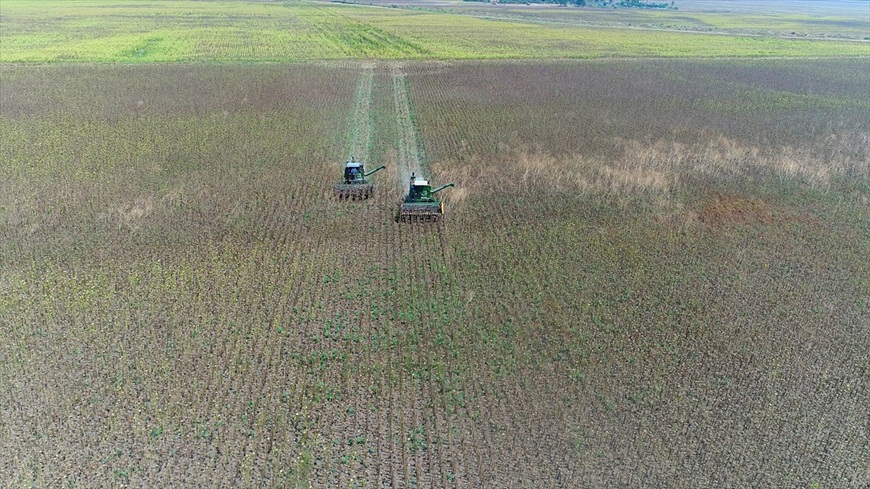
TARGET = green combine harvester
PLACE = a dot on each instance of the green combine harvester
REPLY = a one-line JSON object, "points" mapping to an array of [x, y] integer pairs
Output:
{"points": [[355, 185], [420, 205]]}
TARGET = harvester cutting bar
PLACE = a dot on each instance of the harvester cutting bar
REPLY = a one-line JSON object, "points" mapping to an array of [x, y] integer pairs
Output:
{"points": [[354, 191], [420, 213], [420, 218]]}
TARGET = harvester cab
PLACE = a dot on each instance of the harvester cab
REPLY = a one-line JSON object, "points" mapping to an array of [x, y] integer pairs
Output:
{"points": [[355, 185], [353, 172], [420, 205]]}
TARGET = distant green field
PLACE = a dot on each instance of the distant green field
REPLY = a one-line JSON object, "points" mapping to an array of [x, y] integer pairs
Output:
{"points": [[230, 31]]}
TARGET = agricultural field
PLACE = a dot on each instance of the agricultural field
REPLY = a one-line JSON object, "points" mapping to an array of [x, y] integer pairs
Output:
{"points": [[651, 273], [127, 31]]}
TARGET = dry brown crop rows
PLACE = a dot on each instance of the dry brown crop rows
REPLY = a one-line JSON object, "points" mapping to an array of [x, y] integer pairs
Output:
{"points": [[184, 303]]}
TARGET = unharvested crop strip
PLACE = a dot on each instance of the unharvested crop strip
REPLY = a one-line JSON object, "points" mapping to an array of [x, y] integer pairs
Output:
{"points": [[386, 364], [362, 380], [374, 276], [247, 347], [294, 302], [284, 297], [327, 426], [395, 450], [426, 398], [435, 387], [186, 462], [415, 424], [342, 427], [293, 339], [398, 425], [221, 433], [270, 366], [311, 344], [448, 297], [368, 468], [265, 363]]}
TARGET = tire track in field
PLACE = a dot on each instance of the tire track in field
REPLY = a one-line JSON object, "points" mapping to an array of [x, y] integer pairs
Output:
{"points": [[359, 134], [410, 152]]}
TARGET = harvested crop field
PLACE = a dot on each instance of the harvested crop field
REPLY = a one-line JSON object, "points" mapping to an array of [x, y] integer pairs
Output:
{"points": [[649, 274]]}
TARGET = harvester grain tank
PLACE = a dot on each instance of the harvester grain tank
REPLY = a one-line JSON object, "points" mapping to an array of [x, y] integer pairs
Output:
{"points": [[420, 205], [355, 186]]}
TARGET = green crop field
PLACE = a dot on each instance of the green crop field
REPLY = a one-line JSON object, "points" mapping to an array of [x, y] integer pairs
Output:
{"points": [[653, 271], [170, 31]]}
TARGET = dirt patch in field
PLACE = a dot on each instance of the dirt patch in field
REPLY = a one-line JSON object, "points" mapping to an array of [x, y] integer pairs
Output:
{"points": [[726, 209], [723, 209], [132, 213]]}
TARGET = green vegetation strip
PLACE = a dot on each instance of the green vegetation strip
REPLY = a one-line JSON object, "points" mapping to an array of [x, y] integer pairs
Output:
{"points": [[163, 31]]}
